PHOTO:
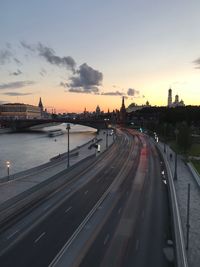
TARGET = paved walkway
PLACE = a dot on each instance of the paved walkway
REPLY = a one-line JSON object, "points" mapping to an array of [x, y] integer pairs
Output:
{"points": [[184, 176], [25, 180]]}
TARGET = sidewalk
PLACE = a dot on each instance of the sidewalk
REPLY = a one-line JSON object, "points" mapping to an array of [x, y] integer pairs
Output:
{"points": [[184, 176], [26, 180]]}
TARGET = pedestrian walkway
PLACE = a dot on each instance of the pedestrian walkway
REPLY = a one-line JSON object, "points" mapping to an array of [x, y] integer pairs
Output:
{"points": [[25, 180], [184, 177]]}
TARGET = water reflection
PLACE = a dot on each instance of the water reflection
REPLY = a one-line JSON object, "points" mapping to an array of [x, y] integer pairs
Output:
{"points": [[33, 147]]}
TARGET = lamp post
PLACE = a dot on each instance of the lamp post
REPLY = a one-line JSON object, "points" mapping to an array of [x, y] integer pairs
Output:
{"points": [[68, 128], [8, 168], [165, 125], [188, 218], [106, 138], [175, 167]]}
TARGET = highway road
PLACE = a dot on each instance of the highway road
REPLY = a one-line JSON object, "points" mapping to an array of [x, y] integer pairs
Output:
{"points": [[133, 233], [139, 226], [25, 245]]}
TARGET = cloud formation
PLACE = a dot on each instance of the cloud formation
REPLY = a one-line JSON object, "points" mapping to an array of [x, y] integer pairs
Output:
{"points": [[132, 92], [197, 63], [17, 61], [86, 80], [5, 56], [49, 55], [65, 85], [15, 85], [27, 46], [16, 73], [116, 93], [16, 94], [43, 72]]}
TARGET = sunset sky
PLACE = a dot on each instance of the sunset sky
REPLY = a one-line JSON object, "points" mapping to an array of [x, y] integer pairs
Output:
{"points": [[84, 53]]}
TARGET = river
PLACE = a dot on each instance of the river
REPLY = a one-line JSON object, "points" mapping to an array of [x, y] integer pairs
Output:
{"points": [[25, 150]]}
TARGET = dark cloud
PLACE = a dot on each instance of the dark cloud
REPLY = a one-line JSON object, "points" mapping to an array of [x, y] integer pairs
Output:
{"points": [[17, 61], [86, 80], [43, 72], [116, 93], [90, 90], [15, 85], [50, 56], [65, 85], [16, 94], [5, 56], [132, 92], [16, 73], [197, 63], [29, 47]]}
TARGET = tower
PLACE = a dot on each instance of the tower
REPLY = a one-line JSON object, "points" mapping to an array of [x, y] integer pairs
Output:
{"points": [[123, 112], [98, 110], [169, 97], [177, 99], [40, 105]]}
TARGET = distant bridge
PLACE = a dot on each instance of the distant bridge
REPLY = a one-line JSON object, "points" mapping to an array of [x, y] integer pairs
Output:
{"points": [[20, 124]]}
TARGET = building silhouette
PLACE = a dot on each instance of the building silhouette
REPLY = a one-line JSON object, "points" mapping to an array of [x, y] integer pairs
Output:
{"points": [[176, 102]]}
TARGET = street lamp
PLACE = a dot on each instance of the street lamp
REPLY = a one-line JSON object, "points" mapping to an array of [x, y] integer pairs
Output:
{"points": [[106, 138], [165, 125], [68, 128], [175, 167], [8, 168]]}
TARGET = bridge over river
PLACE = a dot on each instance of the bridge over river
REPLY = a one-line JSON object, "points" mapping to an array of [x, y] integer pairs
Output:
{"points": [[20, 124]]}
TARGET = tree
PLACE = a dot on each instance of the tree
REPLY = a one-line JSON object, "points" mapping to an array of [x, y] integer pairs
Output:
{"points": [[183, 137]]}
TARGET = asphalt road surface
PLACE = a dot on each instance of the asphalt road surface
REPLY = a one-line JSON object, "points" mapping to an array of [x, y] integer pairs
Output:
{"points": [[139, 226], [135, 231]]}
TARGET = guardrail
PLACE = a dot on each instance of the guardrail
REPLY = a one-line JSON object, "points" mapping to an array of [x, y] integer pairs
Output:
{"points": [[180, 251]]}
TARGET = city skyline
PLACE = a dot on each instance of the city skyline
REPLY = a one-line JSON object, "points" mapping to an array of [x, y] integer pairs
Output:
{"points": [[77, 54]]}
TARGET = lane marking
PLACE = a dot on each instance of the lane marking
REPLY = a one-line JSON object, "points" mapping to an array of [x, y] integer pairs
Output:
{"points": [[11, 235], [39, 237], [137, 245], [119, 210], [45, 208], [68, 209], [86, 192], [106, 239]]}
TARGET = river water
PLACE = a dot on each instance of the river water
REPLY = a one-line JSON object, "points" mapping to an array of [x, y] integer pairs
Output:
{"points": [[28, 149]]}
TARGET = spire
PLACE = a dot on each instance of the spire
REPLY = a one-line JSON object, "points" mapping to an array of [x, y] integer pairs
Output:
{"points": [[123, 105], [40, 105], [123, 112]]}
